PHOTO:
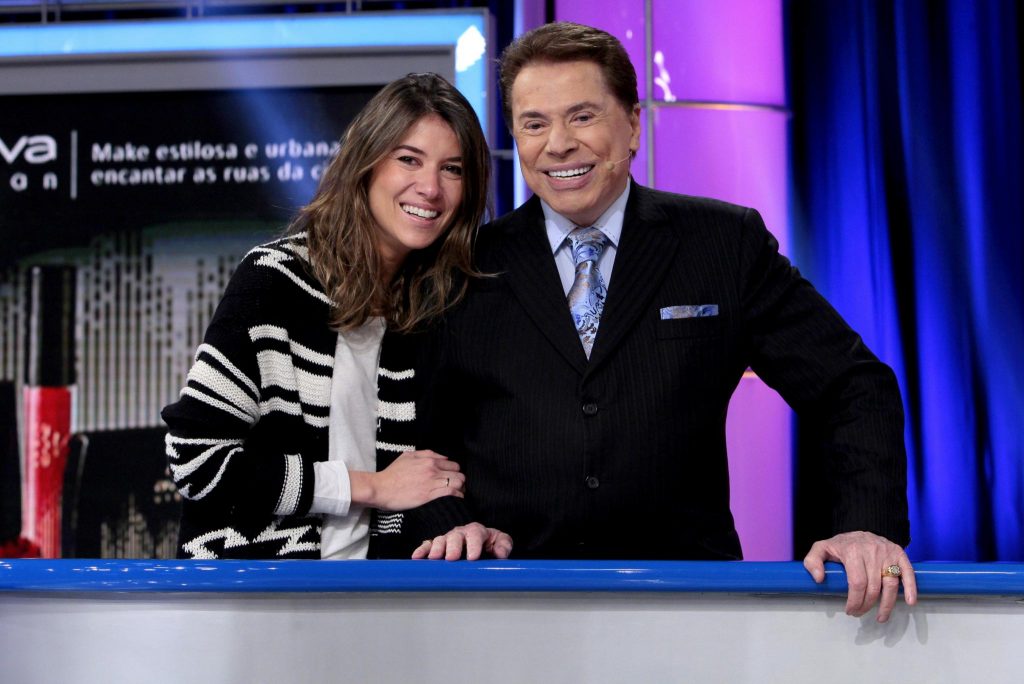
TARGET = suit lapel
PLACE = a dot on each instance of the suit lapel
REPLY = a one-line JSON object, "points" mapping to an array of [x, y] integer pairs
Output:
{"points": [[533, 278], [646, 250]]}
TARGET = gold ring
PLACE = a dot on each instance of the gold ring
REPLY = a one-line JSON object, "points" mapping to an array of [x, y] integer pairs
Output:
{"points": [[892, 571]]}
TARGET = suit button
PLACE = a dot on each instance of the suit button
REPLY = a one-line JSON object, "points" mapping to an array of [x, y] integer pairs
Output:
{"points": [[589, 409], [593, 482]]}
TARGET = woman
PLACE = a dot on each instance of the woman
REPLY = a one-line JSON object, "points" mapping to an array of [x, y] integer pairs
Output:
{"points": [[272, 442]]}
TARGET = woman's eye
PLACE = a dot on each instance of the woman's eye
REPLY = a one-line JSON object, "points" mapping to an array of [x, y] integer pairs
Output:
{"points": [[406, 159], [453, 170]]}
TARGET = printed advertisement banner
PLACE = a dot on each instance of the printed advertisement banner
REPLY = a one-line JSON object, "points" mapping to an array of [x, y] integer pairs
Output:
{"points": [[122, 217]]}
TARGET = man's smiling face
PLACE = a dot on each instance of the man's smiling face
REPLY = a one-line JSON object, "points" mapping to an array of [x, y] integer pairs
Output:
{"points": [[568, 127]]}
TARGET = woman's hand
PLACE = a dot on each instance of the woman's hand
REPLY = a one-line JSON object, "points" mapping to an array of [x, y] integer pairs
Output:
{"points": [[413, 479]]}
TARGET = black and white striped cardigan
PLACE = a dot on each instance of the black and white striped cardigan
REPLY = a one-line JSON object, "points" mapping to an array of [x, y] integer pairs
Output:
{"points": [[253, 416]]}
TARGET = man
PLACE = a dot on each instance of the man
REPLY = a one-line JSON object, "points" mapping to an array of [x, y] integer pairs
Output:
{"points": [[596, 428]]}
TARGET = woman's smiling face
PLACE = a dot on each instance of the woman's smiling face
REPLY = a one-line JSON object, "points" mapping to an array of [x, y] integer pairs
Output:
{"points": [[416, 190]]}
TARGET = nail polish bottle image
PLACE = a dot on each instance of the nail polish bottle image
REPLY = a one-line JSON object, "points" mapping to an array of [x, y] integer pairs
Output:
{"points": [[48, 396]]}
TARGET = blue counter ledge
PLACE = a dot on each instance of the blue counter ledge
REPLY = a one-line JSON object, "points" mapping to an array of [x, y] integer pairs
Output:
{"points": [[83, 575]]}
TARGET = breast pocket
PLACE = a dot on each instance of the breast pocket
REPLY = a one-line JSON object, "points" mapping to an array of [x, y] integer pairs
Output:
{"points": [[708, 326]]}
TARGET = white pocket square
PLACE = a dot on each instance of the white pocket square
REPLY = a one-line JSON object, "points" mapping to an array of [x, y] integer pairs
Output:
{"points": [[689, 311]]}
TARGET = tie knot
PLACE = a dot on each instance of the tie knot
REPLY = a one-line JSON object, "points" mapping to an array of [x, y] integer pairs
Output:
{"points": [[587, 244]]}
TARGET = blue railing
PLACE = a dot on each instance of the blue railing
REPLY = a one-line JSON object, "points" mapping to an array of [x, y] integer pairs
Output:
{"points": [[82, 575]]}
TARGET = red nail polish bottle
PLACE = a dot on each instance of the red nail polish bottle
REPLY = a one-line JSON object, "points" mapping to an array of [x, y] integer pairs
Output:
{"points": [[48, 396]]}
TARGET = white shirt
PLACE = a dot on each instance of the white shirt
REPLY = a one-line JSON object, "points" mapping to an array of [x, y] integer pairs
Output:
{"points": [[352, 442], [558, 228]]}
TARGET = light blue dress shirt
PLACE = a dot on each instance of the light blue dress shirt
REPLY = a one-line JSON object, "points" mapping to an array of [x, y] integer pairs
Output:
{"points": [[558, 228]]}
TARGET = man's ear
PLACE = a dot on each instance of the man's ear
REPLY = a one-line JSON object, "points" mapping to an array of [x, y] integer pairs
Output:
{"points": [[634, 122]]}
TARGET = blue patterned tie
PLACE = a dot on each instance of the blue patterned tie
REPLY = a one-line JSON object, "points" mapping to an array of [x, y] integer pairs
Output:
{"points": [[587, 294]]}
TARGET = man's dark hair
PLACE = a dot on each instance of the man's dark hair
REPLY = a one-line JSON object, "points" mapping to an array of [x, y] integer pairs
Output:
{"points": [[564, 41]]}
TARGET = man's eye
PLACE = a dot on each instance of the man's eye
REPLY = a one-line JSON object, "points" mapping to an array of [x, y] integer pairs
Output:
{"points": [[532, 126], [584, 118]]}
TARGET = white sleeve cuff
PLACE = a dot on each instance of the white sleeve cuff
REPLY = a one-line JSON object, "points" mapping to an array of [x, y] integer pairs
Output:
{"points": [[332, 489]]}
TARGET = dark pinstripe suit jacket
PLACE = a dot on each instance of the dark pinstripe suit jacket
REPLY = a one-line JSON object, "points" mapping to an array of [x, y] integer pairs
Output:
{"points": [[624, 456]]}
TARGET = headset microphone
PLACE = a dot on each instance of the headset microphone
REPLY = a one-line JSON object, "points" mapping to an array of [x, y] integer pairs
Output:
{"points": [[610, 165]]}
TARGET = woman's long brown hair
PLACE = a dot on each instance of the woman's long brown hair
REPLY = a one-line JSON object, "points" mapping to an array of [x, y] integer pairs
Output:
{"points": [[341, 231]]}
